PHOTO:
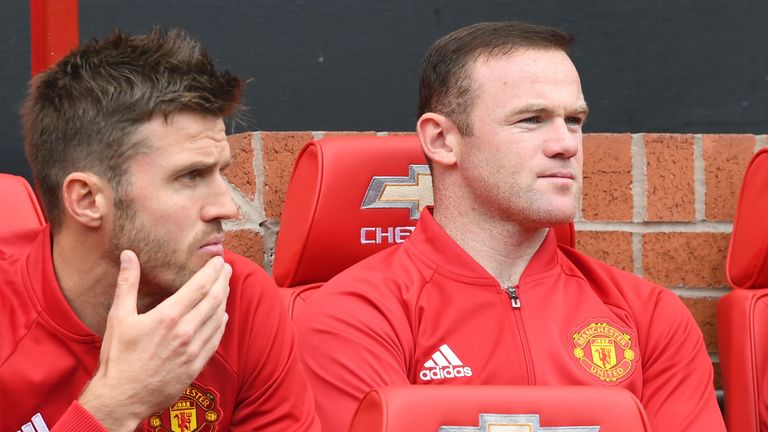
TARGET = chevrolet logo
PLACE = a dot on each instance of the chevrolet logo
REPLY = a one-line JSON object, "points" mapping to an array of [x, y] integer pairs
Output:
{"points": [[413, 192], [515, 423]]}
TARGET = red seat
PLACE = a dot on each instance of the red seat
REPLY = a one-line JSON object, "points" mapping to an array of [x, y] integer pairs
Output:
{"points": [[427, 408], [348, 198], [742, 315], [19, 204]]}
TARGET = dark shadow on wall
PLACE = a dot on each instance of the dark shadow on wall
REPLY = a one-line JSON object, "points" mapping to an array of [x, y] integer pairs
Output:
{"points": [[686, 66]]}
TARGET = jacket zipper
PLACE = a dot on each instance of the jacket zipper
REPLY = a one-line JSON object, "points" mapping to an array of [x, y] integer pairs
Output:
{"points": [[514, 299]]}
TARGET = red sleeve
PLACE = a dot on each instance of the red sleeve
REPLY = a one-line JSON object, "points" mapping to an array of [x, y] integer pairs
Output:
{"points": [[274, 391], [678, 392], [352, 342], [77, 419]]}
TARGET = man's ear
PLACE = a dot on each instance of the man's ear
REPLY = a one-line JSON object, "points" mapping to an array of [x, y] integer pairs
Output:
{"points": [[86, 198], [440, 138]]}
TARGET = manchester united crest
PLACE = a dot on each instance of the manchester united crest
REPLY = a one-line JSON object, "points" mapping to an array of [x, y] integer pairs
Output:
{"points": [[605, 351], [194, 411]]}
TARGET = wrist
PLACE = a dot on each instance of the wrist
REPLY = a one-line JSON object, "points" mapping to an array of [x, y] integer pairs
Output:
{"points": [[111, 411], [78, 418]]}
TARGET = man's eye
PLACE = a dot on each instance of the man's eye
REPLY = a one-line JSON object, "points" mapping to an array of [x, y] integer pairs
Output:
{"points": [[532, 120], [576, 121], [191, 175]]}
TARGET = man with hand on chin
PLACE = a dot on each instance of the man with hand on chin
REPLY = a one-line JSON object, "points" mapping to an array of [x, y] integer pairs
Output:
{"points": [[125, 312]]}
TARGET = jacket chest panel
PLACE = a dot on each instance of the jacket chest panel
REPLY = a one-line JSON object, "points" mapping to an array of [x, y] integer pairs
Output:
{"points": [[474, 335]]}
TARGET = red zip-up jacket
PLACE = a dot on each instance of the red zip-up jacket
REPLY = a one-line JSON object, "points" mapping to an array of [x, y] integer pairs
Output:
{"points": [[425, 312], [254, 381]]}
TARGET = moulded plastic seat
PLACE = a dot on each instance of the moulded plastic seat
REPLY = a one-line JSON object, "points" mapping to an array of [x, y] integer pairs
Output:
{"points": [[742, 315], [427, 408], [20, 213], [19, 204], [348, 198]]}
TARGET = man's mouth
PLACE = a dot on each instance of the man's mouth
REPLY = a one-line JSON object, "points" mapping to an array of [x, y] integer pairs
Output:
{"points": [[214, 245], [561, 174]]}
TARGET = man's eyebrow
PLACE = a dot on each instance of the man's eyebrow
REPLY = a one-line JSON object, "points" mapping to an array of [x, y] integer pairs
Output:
{"points": [[199, 166], [531, 108], [536, 108], [189, 167], [581, 109]]}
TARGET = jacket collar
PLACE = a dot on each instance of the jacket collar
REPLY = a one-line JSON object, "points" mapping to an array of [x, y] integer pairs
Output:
{"points": [[431, 242]]}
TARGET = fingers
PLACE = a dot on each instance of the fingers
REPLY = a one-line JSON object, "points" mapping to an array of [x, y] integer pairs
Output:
{"points": [[195, 315], [211, 328], [212, 343], [208, 314], [185, 329], [124, 302], [203, 327], [192, 292]]}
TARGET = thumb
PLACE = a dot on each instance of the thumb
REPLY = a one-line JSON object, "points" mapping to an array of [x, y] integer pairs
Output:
{"points": [[127, 287]]}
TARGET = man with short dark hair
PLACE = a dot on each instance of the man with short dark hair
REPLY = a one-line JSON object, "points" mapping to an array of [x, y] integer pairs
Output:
{"points": [[481, 293], [126, 313]]}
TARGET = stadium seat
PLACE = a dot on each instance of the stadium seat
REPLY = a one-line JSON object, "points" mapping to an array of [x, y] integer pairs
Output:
{"points": [[742, 315], [348, 198], [459, 408], [19, 204]]}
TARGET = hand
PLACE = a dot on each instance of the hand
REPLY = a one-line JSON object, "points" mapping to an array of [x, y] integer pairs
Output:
{"points": [[148, 360]]}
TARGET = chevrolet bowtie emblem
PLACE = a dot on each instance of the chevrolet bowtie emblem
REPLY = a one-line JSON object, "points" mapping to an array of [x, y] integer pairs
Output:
{"points": [[413, 192], [515, 423]]}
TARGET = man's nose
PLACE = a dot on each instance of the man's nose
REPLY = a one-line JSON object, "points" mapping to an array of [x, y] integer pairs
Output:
{"points": [[562, 141], [220, 205]]}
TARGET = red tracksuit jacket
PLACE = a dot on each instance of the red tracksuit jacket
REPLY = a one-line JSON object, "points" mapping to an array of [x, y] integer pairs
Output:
{"points": [[254, 381], [424, 312]]}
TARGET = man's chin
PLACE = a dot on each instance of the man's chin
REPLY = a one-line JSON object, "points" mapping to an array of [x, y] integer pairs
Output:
{"points": [[556, 217], [564, 219], [155, 288], [201, 257], [561, 209]]}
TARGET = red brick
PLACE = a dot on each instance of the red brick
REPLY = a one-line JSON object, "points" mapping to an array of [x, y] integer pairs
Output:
{"points": [[612, 247], [669, 172], [240, 173], [725, 160], [402, 133], [279, 151], [685, 259], [607, 177], [703, 311], [246, 243]]}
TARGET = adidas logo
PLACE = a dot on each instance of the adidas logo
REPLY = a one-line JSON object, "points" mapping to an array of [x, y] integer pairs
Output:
{"points": [[36, 425], [444, 364]]}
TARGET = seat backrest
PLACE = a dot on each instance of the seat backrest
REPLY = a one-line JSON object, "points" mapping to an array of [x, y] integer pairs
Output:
{"points": [[348, 198], [536, 408], [742, 315], [19, 204], [747, 263]]}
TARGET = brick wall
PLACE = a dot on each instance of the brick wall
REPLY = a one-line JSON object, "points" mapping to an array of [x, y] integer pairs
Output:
{"points": [[659, 205]]}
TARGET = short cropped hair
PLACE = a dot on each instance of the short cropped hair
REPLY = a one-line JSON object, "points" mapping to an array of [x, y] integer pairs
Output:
{"points": [[82, 114], [445, 85]]}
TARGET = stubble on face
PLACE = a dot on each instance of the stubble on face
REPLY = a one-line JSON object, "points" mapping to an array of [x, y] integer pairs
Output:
{"points": [[506, 160], [165, 266]]}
